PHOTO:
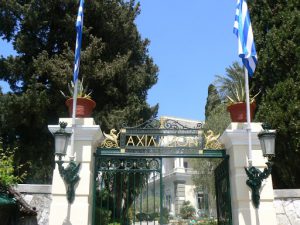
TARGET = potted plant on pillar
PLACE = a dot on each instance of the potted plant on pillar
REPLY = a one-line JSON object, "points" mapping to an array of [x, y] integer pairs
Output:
{"points": [[232, 88], [84, 104]]}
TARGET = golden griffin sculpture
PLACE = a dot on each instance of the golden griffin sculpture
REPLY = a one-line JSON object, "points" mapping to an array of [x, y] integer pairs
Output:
{"points": [[211, 140], [111, 139]]}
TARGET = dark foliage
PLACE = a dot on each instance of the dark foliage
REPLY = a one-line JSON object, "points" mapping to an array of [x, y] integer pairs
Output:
{"points": [[114, 64], [277, 36]]}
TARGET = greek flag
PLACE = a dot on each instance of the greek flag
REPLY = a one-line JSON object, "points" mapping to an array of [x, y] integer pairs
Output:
{"points": [[243, 30], [79, 25]]}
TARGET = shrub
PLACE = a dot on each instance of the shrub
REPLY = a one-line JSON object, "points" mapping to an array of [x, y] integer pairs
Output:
{"points": [[154, 216], [141, 216], [165, 216], [102, 216], [210, 222], [207, 222], [7, 169], [187, 211]]}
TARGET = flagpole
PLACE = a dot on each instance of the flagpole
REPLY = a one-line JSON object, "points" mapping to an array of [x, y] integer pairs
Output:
{"points": [[72, 156], [248, 128], [242, 28], [79, 25]]}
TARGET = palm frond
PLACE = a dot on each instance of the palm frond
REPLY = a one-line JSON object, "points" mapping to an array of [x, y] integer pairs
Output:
{"points": [[232, 85]]}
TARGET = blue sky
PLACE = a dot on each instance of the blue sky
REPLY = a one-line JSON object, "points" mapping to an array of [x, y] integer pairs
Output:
{"points": [[191, 42]]}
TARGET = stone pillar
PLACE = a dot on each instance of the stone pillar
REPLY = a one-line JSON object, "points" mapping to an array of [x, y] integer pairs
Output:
{"points": [[179, 168], [181, 163], [80, 212], [176, 162], [235, 139]]}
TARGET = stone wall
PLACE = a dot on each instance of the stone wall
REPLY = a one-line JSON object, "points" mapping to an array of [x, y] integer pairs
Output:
{"points": [[287, 206], [38, 196], [286, 202]]}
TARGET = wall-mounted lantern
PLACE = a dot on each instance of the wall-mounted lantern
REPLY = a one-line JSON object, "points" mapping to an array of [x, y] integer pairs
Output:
{"points": [[70, 173], [255, 176], [267, 141]]}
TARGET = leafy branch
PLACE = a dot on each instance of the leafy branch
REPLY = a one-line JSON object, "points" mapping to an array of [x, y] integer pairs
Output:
{"points": [[7, 168]]}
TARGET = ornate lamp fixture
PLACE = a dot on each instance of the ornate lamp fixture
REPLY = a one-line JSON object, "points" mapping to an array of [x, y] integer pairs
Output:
{"points": [[255, 176], [61, 138], [70, 173], [267, 141]]}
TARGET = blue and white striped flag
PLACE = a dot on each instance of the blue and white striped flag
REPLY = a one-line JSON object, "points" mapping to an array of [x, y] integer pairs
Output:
{"points": [[79, 25], [243, 30]]}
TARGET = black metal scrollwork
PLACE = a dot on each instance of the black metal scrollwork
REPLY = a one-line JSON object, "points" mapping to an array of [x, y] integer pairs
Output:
{"points": [[174, 124], [126, 164], [151, 123], [154, 164], [165, 124], [116, 163]]}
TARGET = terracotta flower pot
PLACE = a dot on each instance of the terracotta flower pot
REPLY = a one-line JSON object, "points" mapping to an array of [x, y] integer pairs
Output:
{"points": [[238, 112], [84, 107]]}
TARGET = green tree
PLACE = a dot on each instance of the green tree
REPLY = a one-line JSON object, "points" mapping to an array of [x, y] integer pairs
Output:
{"points": [[218, 119], [216, 116], [114, 63], [277, 36], [225, 88], [280, 107], [212, 100]]}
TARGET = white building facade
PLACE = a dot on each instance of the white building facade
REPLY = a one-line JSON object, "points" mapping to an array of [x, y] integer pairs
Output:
{"points": [[177, 175]]}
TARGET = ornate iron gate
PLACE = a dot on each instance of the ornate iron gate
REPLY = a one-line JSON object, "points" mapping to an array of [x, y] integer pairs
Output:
{"points": [[223, 193], [128, 189], [128, 171]]}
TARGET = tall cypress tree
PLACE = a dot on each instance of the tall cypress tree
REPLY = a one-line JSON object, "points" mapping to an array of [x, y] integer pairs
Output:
{"points": [[114, 64], [212, 100], [216, 116]]}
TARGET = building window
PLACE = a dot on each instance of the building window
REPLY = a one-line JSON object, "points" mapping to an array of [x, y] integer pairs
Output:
{"points": [[185, 165], [200, 200], [168, 201]]}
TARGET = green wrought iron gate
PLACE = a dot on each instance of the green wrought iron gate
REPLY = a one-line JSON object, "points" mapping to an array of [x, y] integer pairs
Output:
{"points": [[223, 193], [128, 189], [129, 186]]}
